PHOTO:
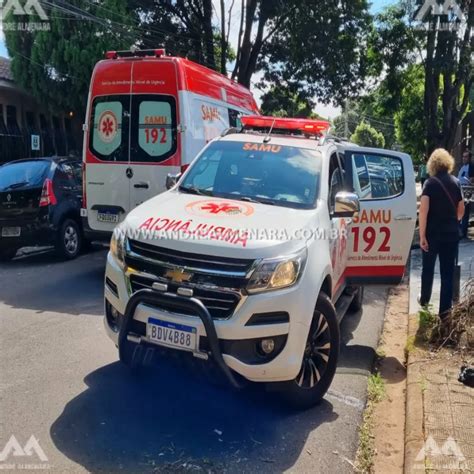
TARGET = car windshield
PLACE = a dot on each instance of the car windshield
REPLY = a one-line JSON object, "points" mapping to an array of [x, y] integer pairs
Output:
{"points": [[23, 174], [263, 172]]}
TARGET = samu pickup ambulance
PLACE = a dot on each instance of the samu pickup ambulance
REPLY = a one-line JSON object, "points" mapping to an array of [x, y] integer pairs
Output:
{"points": [[251, 259]]}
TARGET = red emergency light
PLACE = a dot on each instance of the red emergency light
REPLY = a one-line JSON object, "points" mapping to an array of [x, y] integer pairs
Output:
{"points": [[313, 127]]}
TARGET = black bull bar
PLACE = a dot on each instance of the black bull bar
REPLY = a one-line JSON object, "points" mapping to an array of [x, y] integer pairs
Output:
{"points": [[176, 302]]}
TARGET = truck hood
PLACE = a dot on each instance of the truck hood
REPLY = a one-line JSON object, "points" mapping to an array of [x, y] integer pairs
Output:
{"points": [[221, 227]]}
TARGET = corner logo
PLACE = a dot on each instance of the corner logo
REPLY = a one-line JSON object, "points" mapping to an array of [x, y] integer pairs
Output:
{"points": [[438, 9], [31, 7], [13, 448], [448, 457], [220, 209]]}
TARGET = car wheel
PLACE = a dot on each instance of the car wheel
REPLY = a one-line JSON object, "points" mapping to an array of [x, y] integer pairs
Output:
{"points": [[356, 304], [69, 240], [319, 359], [7, 254]]}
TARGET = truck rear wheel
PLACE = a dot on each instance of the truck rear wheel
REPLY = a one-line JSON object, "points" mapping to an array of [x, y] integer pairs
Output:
{"points": [[319, 360]]}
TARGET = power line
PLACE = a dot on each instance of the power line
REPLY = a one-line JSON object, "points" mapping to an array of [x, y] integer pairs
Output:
{"points": [[113, 24]]}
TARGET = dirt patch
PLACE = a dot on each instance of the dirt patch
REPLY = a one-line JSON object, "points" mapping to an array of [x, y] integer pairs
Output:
{"points": [[385, 429], [389, 429]]}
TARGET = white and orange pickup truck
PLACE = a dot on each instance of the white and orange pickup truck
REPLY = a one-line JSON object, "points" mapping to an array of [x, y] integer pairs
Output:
{"points": [[254, 254]]}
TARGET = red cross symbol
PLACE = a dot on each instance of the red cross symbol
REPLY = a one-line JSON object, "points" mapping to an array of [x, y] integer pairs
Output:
{"points": [[215, 208]]}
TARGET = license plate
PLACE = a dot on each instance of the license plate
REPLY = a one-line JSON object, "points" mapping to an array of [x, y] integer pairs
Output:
{"points": [[170, 334], [11, 231], [107, 217]]}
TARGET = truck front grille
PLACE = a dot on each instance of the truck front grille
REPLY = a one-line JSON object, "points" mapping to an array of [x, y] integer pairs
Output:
{"points": [[216, 281]]}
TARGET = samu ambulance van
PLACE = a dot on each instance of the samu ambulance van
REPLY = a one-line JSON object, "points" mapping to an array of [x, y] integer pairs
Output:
{"points": [[148, 115], [249, 262]]}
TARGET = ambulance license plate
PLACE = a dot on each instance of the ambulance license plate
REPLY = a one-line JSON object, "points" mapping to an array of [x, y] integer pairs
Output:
{"points": [[166, 333], [107, 217]]}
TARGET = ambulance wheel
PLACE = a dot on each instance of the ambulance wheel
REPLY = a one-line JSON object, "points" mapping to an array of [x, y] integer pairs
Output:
{"points": [[319, 359], [356, 304]]}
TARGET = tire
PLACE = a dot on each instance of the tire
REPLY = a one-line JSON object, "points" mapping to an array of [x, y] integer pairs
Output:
{"points": [[69, 240], [356, 304], [7, 254], [318, 366], [132, 356]]}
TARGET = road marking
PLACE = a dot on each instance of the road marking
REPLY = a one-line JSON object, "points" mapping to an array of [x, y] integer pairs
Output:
{"points": [[346, 399]]}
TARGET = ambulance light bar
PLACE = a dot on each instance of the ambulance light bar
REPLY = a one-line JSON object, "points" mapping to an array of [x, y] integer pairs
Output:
{"points": [[313, 127], [136, 53]]}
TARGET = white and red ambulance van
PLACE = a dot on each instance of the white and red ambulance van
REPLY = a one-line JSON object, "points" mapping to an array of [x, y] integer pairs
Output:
{"points": [[148, 115]]}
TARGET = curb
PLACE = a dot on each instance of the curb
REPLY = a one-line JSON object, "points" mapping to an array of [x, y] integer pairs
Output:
{"points": [[414, 432]]}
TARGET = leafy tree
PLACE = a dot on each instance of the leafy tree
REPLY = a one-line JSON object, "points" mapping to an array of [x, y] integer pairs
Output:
{"points": [[183, 27], [283, 102], [409, 120], [56, 65], [351, 116], [365, 135], [443, 40], [320, 47], [449, 71]]}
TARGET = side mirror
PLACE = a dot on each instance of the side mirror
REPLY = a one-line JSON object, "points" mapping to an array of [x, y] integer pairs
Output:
{"points": [[346, 204], [172, 179]]}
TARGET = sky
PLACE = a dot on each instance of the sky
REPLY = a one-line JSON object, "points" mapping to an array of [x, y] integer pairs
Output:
{"points": [[328, 111]]}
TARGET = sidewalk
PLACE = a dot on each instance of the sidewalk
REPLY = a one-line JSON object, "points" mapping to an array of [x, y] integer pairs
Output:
{"points": [[439, 431]]}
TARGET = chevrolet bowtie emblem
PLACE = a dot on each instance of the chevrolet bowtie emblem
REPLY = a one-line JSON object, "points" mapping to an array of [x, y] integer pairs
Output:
{"points": [[178, 275]]}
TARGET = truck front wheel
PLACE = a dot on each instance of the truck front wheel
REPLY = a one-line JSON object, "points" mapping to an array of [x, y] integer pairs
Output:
{"points": [[319, 360]]}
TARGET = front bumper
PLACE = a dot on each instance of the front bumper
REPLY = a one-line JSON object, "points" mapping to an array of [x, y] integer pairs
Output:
{"points": [[230, 333]]}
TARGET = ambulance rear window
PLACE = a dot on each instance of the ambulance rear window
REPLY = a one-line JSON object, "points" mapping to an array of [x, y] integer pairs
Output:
{"points": [[109, 127], [137, 128]]}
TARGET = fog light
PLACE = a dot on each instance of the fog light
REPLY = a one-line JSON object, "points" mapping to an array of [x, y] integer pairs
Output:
{"points": [[267, 345]]}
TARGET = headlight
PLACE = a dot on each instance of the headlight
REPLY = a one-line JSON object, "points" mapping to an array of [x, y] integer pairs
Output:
{"points": [[117, 245], [274, 274]]}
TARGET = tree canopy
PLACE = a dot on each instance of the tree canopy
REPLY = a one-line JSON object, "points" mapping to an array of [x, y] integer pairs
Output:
{"points": [[313, 47], [365, 135]]}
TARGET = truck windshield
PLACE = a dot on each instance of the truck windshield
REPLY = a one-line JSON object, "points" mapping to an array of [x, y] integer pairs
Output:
{"points": [[263, 172]]}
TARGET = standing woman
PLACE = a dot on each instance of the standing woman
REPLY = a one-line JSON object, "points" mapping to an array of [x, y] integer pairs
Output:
{"points": [[441, 209]]}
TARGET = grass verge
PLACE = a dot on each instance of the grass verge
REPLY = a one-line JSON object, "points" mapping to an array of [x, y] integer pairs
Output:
{"points": [[366, 451]]}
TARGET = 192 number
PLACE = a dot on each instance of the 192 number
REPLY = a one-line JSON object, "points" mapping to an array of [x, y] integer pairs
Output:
{"points": [[153, 135], [369, 237]]}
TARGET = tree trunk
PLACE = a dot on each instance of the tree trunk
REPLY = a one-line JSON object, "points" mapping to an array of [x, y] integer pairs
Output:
{"points": [[223, 40], [208, 36], [246, 46]]}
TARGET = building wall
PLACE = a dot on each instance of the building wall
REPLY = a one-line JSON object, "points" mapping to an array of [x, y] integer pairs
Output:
{"points": [[60, 134]]}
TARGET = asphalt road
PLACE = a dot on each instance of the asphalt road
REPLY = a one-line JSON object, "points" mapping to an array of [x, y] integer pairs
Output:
{"points": [[60, 381]]}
